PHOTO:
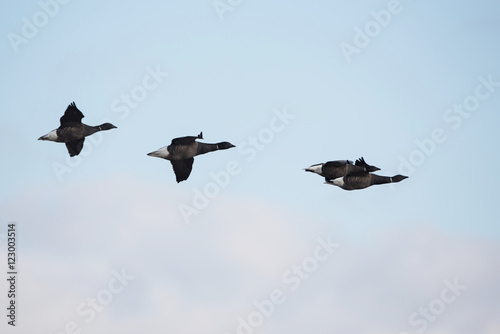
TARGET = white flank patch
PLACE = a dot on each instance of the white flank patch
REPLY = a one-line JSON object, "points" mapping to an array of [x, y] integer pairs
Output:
{"points": [[339, 182]]}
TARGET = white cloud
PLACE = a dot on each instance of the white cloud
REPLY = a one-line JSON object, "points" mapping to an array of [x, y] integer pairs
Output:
{"points": [[203, 276]]}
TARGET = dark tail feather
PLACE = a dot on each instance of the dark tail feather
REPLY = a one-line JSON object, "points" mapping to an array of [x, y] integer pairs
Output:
{"points": [[368, 168]]}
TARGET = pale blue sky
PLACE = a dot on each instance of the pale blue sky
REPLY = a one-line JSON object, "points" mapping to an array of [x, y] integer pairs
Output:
{"points": [[225, 78]]}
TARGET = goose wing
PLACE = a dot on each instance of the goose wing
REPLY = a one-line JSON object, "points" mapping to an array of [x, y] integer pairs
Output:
{"points": [[186, 140], [75, 147], [71, 115], [362, 163], [337, 163], [334, 169], [182, 168]]}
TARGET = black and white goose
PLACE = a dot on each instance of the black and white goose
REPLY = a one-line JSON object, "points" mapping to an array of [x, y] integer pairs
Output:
{"points": [[334, 169], [363, 180], [181, 153], [72, 131]]}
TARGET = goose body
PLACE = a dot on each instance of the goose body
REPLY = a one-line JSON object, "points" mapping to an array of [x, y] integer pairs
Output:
{"points": [[72, 131], [181, 153], [363, 180], [334, 169]]}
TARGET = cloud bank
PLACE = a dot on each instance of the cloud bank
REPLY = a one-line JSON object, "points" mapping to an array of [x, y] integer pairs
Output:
{"points": [[115, 256]]}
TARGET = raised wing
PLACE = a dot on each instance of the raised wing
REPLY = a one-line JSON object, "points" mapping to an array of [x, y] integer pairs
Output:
{"points": [[71, 115], [362, 163], [186, 140], [336, 163], [182, 168]]}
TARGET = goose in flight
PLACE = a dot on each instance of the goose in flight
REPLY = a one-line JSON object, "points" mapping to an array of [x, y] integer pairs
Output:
{"points": [[363, 180], [334, 169], [181, 153], [72, 131]]}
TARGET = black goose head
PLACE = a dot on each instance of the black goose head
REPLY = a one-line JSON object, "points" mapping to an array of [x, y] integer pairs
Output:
{"points": [[107, 126], [398, 178], [224, 145]]}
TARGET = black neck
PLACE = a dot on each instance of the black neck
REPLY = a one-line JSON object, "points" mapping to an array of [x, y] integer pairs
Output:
{"points": [[89, 130], [205, 148], [377, 179]]}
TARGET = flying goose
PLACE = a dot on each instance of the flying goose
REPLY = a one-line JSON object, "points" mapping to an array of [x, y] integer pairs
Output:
{"points": [[72, 131], [361, 180], [181, 153], [334, 169]]}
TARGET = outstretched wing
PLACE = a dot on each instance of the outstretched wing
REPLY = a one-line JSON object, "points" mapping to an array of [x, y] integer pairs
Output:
{"points": [[186, 140], [182, 168], [71, 115], [75, 147]]}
